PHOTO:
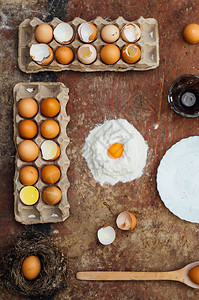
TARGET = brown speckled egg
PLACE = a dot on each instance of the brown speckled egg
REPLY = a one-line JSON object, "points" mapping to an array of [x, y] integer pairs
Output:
{"points": [[28, 175]]}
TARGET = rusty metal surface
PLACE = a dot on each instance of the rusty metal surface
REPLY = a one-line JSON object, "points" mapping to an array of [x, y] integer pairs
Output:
{"points": [[160, 241]]}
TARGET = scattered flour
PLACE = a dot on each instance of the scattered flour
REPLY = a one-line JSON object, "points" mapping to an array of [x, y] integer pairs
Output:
{"points": [[108, 170]]}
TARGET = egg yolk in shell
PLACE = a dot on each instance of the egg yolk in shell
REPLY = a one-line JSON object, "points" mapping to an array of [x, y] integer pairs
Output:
{"points": [[87, 54], [115, 150]]}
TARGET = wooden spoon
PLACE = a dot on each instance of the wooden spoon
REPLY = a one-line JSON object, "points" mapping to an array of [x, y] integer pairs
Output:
{"points": [[178, 275]]}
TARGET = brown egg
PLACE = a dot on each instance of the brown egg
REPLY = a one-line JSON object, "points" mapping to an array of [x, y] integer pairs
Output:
{"points": [[27, 129], [194, 274], [50, 107], [64, 55], [110, 33], [52, 195], [31, 267], [191, 33], [49, 129], [50, 174], [131, 53], [27, 107], [28, 150], [28, 175], [44, 33], [110, 54]]}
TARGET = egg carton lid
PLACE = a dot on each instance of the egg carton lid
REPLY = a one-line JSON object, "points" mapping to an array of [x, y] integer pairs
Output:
{"points": [[149, 44], [42, 212]]}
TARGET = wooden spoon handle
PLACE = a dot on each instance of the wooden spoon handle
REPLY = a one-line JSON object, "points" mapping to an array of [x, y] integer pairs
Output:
{"points": [[100, 275]]}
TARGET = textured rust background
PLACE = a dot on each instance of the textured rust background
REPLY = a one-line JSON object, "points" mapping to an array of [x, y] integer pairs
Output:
{"points": [[160, 241]]}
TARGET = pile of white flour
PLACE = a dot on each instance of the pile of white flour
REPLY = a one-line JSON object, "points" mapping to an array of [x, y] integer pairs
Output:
{"points": [[108, 170]]}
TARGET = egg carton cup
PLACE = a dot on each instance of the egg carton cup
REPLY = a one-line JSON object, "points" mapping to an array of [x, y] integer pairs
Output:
{"points": [[149, 44], [42, 212]]}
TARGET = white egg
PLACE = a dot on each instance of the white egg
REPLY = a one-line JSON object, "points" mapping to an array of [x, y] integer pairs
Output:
{"points": [[106, 235]]}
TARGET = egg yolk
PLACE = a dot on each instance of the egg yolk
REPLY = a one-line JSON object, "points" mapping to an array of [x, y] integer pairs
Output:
{"points": [[131, 51], [29, 195], [87, 54], [115, 150], [194, 274]]}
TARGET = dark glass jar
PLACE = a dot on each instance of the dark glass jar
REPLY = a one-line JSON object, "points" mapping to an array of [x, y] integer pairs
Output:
{"points": [[183, 96]]}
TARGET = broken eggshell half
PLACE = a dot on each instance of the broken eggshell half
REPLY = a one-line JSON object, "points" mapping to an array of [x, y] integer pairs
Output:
{"points": [[106, 235], [87, 32], [87, 54], [50, 150], [63, 33], [41, 54], [131, 53], [126, 220], [130, 33]]}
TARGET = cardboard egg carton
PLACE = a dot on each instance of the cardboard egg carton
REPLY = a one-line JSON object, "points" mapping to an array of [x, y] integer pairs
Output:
{"points": [[42, 212], [149, 44]]}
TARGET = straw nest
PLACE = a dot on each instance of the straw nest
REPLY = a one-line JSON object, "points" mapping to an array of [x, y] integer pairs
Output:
{"points": [[52, 277]]}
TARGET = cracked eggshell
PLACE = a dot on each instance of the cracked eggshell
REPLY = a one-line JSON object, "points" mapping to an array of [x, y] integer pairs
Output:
{"points": [[87, 32], [63, 33], [50, 150], [130, 33], [110, 33], [41, 54], [87, 54], [131, 53], [126, 220], [106, 235]]}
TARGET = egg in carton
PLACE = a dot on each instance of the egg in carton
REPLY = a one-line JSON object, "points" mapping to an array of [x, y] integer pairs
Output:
{"points": [[42, 212], [148, 43]]}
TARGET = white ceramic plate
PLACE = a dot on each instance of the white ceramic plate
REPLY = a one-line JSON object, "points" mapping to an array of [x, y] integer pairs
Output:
{"points": [[178, 179]]}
